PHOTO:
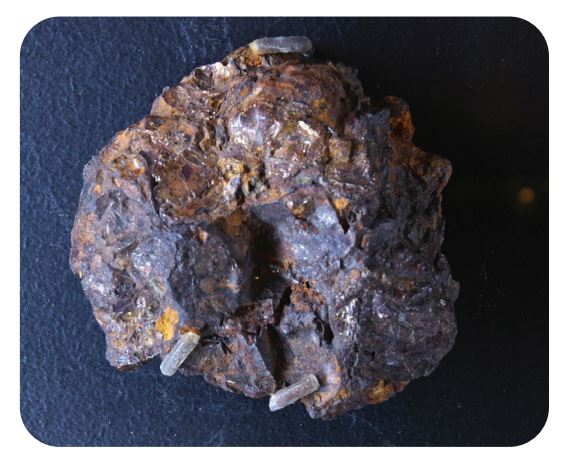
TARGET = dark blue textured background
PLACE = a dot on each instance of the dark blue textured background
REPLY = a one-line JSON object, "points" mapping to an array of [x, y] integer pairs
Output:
{"points": [[478, 90]]}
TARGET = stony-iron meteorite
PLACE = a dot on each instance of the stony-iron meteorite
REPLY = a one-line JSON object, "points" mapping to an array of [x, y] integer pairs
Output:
{"points": [[269, 210]]}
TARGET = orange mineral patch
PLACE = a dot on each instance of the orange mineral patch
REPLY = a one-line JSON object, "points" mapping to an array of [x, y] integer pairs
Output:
{"points": [[340, 203], [186, 329], [354, 275], [343, 394], [166, 323], [382, 391]]}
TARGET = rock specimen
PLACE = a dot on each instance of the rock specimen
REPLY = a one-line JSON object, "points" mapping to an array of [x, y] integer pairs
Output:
{"points": [[268, 208]]}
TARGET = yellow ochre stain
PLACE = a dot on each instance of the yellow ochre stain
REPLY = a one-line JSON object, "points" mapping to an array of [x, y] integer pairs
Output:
{"points": [[380, 392], [340, 203], [166, 323]]}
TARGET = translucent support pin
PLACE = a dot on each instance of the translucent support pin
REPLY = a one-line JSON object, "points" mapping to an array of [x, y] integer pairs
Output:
{"points": [[184, 346], [293, 393], [272, 45]]}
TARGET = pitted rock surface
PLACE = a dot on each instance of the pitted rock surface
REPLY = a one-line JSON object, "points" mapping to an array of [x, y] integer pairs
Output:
{"points": [[268, 205]]}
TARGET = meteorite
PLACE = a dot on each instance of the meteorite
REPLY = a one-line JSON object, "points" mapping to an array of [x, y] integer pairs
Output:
{"points": [[267, 223]]}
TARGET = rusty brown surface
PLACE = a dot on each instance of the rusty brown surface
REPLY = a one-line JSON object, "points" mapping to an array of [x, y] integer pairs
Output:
{"points": [[267, 205]]}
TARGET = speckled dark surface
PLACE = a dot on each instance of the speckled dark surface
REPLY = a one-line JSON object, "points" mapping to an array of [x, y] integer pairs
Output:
{"points": [[478, 91]]}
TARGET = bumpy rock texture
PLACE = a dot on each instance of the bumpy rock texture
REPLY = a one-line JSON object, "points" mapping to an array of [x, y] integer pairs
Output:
{"points": [[268, 205]]}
